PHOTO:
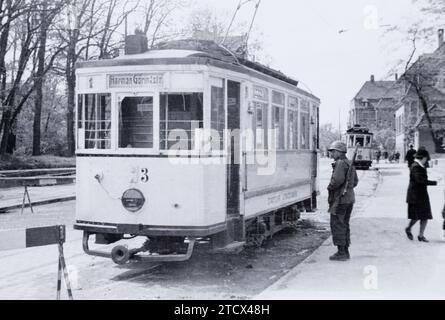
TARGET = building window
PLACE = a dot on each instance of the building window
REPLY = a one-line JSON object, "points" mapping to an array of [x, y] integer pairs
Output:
{"points": [[278, 100], [260, 119], [136, 122], [292, 124], [94, 121]]}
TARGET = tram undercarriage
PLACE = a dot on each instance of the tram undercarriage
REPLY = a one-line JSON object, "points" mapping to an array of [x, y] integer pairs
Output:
{"points": [[237, 234]]}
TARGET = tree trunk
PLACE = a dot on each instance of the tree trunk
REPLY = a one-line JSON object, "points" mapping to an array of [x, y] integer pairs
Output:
{"points": [[6, 125], [70, 116], [39, 87], [70, 75], [437, 143]]}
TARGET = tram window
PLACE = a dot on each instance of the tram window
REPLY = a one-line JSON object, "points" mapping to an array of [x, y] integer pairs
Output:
{"points": [[260, 125], [368, 141], [218, 114], [180, 113], [260, 119], [278, 118], [278, 125], [292, 125], [136, 123], [278, 98], [304, 125], [360, 140], [96, 120], [351, 142]]}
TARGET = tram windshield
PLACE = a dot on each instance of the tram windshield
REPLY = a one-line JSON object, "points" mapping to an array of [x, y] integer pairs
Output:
{"points": [[362, 140], [136, 122]]}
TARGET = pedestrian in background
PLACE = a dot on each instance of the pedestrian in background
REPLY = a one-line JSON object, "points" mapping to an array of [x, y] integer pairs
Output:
{"points": [[385, 156], [410, 156], [397, 156], [443, 216], [419, 207], [340, 203], [378, 154]]}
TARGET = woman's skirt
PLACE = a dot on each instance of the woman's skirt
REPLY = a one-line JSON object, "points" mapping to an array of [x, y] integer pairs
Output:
{"points": [[419, 211]]}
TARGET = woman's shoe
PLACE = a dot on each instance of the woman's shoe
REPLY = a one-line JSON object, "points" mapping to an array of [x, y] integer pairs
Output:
{"points": [[422, 239], [409, 234]]}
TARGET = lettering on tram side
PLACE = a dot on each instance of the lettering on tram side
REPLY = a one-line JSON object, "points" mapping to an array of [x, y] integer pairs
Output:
{"points": [[282, 197], [134, 80]]}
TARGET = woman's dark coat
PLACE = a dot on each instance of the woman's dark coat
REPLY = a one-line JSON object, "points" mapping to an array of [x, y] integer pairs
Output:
{"points": [[419, 207]]}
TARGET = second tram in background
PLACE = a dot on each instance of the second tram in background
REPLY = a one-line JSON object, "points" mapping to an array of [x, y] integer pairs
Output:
{"points": [[362, 136]]}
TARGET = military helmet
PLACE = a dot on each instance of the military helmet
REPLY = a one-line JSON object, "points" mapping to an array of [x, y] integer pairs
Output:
{"points": [[339, 146]]}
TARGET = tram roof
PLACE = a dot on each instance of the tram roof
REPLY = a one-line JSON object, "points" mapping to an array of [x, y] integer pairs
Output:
{"points": [[359, 130], [205, 53]]}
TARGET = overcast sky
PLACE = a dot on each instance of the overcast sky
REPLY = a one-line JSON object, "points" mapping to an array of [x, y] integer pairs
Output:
{"points": [[302, 39]]}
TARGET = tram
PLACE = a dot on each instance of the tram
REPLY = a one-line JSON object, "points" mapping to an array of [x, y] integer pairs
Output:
{"points": [[361, 136], [190, 144]]}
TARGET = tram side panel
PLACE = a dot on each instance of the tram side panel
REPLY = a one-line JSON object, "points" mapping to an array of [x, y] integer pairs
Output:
{"points": [[289, 182], [176, 194]]}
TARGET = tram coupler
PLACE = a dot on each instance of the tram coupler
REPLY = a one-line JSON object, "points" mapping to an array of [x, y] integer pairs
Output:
{"points": [[87, 250], [122, 254]]}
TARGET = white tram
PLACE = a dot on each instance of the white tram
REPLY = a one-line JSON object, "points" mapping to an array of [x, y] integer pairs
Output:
{"points": [[176, 145], [361, 136]]}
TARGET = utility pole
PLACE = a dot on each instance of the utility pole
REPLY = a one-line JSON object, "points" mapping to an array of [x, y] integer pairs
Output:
{"points": [[339, 123]]}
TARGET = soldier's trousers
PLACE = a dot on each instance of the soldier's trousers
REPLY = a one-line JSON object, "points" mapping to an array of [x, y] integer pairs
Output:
{"points": [[341, 232]]}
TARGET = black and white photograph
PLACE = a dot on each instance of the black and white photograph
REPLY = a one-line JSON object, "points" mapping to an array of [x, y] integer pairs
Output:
{"points": [[241, 152]]}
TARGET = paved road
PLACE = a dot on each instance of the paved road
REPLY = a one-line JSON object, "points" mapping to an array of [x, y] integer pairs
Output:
{"points": [[31, 273], [385, 264]]}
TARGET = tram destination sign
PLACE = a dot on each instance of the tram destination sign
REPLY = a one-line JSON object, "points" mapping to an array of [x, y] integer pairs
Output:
{"points": [[135, 80]]}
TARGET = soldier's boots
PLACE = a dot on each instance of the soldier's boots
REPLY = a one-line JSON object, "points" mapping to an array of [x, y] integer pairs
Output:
{"points": [[347, 252], [341, 255]]}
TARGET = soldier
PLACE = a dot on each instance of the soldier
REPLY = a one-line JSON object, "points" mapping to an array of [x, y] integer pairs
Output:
{"points": [[340, 203]]}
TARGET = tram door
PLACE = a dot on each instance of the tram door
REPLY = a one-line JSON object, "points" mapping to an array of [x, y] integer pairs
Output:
{"points": [[233, 167]]}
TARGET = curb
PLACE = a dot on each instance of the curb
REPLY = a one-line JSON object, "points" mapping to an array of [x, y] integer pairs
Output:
{"points": [[6, 183], [37, 203]]}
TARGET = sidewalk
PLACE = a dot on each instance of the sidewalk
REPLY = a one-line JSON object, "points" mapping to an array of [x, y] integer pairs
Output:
{"points": [[13, 197], [384, 264]]}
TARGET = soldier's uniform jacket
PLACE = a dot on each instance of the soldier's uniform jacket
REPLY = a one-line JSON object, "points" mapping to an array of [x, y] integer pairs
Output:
{"points": [[338, 180]]}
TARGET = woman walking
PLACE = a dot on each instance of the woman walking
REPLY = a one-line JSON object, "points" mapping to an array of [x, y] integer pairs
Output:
{"points": [[443, 215], [419, 207]]}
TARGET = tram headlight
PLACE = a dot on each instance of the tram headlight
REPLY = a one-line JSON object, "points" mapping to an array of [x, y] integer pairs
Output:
{"points": [[133, 200]]}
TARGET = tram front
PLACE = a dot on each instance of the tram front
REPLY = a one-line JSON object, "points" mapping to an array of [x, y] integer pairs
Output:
{"points": [[133, 179]]}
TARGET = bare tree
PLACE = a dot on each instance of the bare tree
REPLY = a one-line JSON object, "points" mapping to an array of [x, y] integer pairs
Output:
{"points": [[90, 34], [156, 19], [20, 17], [47, 15], [421, 71]]}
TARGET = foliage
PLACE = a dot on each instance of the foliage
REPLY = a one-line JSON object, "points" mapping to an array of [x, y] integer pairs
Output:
{"points": [[385, 139], [41, 42], [328, 134]]}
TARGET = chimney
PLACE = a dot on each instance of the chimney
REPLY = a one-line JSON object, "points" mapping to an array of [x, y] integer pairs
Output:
{"points": [[137, 43], [372, 78], [440, 32], [396, 77]]}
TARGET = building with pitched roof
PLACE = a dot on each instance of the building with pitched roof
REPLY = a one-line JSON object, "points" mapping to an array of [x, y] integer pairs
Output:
{"points": [[373, 106]]}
